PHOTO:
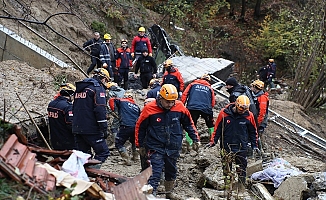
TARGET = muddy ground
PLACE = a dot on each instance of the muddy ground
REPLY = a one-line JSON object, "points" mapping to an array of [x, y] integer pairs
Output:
{"points": [[36, 88]]}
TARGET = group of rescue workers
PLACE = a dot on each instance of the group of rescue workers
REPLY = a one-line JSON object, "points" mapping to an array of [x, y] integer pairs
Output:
{"points": [[78, 116]]}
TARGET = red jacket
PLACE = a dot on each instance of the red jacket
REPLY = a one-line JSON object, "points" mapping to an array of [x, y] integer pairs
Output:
{"points": [[138, 43], [174, 77], [162, 130], [262, 107]]}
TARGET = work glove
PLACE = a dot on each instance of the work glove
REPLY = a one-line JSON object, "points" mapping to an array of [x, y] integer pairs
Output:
{"points": [[105, 134], [150, 54], [195, 146], [261, 129], [132, 55], [257, 151], [142, 151], [105, 65], [209, 145], [154, 75]]}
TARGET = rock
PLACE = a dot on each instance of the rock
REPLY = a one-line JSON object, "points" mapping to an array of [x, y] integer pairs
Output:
{"points": [[261, 191], [254, 167], [291, 188]]}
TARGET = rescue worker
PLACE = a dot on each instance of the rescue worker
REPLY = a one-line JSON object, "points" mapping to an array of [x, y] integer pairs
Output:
{"points": [[235, 127], [173, 76], [262, 104], [90, 115], [140, 42], [129, 112], [199, 99], [155, 86], [94, 46], [113, 90], [123, 63], [107, 54], [271, 72], [235, 90], [159, 135], [147, 67], [60, 119]]}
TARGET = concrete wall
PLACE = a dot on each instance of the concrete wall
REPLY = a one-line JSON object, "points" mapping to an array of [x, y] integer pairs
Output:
{"points": [[13, 47]]}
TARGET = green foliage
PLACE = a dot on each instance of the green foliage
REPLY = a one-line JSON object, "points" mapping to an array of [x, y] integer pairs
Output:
{"points": [[59, 79], [277, 37], [99, 27]]}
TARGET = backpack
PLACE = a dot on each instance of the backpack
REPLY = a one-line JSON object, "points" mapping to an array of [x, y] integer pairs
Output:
{"points": [[245, 90]]}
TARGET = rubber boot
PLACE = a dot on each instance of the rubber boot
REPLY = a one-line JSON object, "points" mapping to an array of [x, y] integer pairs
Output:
{"points": [[112, 146], [169, 185], [189, 142], [211, 131], [126, 158], [240, 185], [135, 155]]}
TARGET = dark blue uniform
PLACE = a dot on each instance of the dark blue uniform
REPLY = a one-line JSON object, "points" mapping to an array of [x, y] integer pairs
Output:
{"points": [[60, 120], [200, 100], [129, 112], [160, 131], [147, 67], [89, 122], [153, 93]]}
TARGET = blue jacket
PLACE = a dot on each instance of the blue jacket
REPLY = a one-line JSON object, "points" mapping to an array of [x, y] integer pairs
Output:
{"points": [[199, 96], [105, 54], [162, 130], [60, 120], [153, 93], [234, 130], [128, 110], [89, 108]]}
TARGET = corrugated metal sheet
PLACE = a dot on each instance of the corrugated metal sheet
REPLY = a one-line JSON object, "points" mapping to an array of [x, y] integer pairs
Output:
{"points": [[18, 162], [131, 189]]}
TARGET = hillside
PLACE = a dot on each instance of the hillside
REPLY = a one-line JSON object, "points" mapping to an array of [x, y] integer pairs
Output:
{"points": [[37, 87]]}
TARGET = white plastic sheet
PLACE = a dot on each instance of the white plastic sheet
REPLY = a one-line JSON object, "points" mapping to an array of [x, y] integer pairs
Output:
{"points": [[75, 165]]}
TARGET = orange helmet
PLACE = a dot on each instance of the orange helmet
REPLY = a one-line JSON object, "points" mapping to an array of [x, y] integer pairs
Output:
{"points": [[168, 63], [258, 84], [169, 92], [242, 103]]}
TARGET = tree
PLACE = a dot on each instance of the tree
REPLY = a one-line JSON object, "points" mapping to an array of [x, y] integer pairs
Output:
{"points": [[257, 9]]}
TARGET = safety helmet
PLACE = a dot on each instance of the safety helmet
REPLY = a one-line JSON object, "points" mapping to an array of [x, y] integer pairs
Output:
{"points": [[141, 29], [242, 103], [67, 89], [107, 36], [169, 92], [206, 77], [128, 95], [258, 84], [103, 73], [110, 84], [154, 82], [168, 63], [271, 60], [124, 40]]}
